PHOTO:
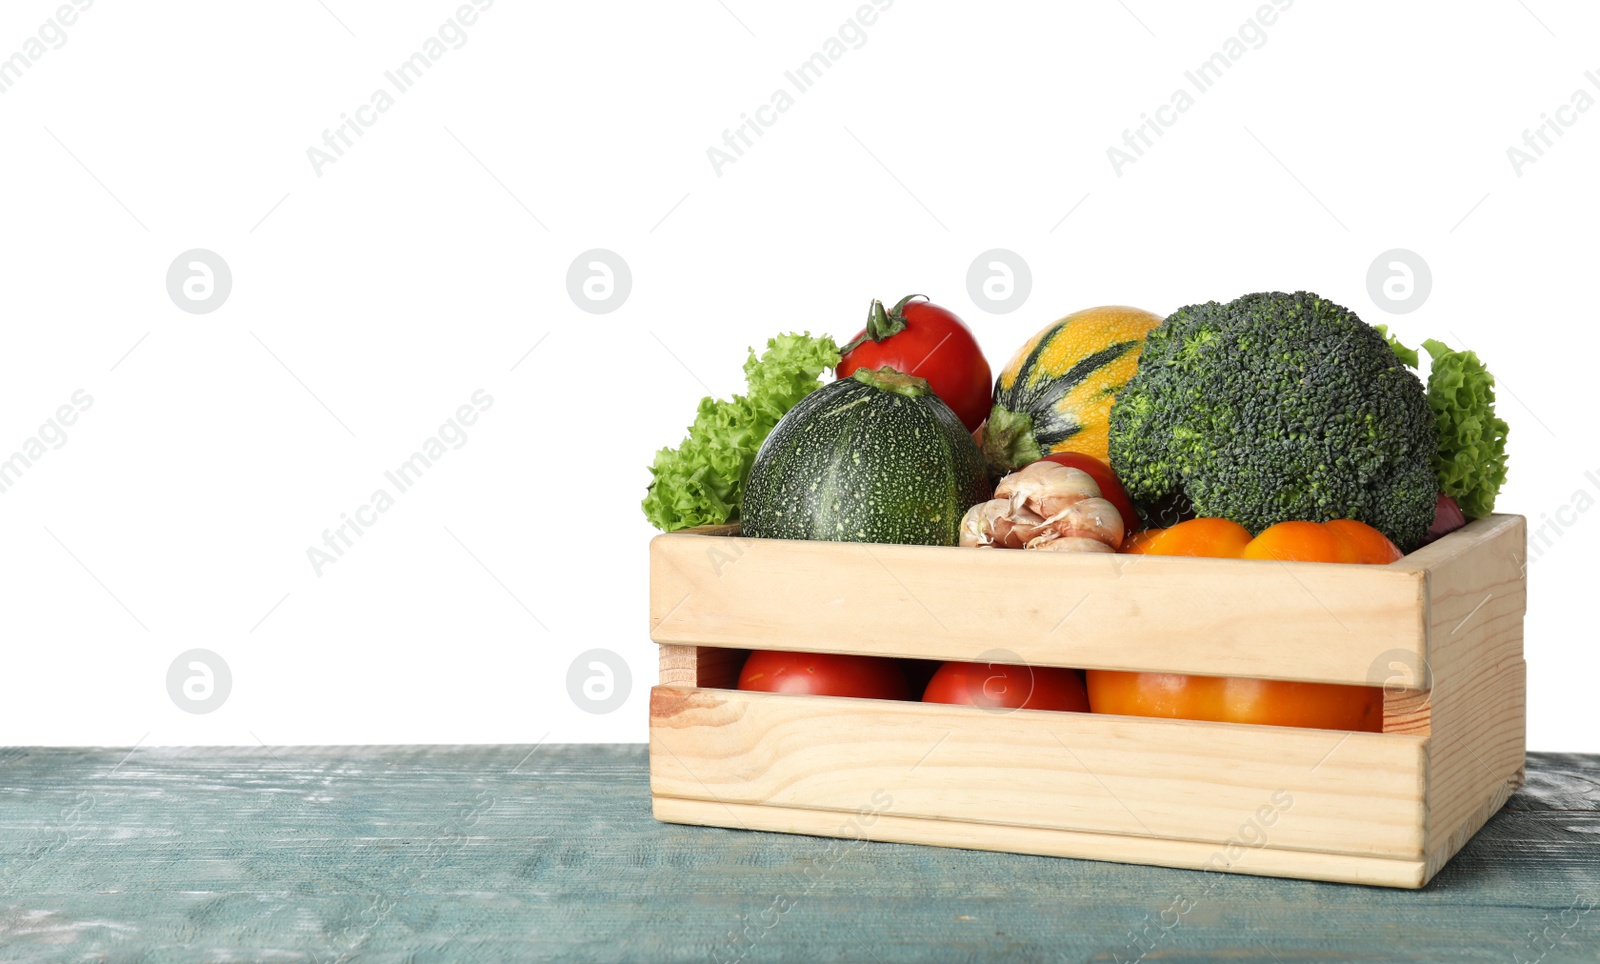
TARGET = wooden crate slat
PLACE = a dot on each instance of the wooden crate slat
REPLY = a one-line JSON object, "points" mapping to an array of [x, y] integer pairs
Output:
{"points": [[1305, 621], [1354, 793], [1239, 858]]}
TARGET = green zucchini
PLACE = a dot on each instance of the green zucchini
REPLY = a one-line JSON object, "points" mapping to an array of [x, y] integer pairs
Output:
{"points": [[875, 457]]}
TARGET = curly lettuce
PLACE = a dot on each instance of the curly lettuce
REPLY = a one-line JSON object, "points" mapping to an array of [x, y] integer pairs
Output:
{"points": [[1471, 461], [1407, 356], [702, 480]]}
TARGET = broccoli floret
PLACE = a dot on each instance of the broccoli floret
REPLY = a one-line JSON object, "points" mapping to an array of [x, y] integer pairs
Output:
{"points": [[1276, 407]]}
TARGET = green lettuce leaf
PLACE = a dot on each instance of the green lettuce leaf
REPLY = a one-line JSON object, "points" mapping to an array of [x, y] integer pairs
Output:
{"points": [[1407, 356], [702, 480], [1471, 460]]}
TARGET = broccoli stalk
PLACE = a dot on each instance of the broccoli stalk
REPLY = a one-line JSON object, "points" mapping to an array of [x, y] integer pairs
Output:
{"points": [[1276, 407]]}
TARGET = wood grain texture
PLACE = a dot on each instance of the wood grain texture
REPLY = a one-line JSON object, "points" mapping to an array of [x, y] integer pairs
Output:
{"points": [[428, 854], [1407, 711], [1063, 609], [701, 666], [1211, 783], [1236, 857], [1477, 595]]}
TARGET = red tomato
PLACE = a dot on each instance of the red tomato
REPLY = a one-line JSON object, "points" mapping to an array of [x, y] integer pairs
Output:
{"points": [[824, 674], [1110, 486], [1324, 706], [918, 672], [997, 685], [920, 338]]}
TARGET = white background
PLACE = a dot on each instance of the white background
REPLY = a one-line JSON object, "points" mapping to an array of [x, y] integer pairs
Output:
{"points": [[371, 301]]}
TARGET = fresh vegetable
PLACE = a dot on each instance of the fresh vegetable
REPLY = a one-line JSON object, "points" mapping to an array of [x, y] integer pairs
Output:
{"points": [[1338, 540], [1447, 518], [918, 672], [1471, 458], [1110, 488], [1408, 356], [1368, 545], [1056, 392], [1216, 538], [824, 674], [1007, 686], [702, 480], [876, 457], [1241, 700], [1277, 407], [1326, 706], [1045, 506], [920, 338]]}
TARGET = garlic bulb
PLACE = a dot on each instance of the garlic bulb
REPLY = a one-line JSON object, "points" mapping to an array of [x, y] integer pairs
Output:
{"points": [[1045, 505]]}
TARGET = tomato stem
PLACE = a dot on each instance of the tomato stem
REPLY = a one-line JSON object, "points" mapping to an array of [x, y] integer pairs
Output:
{"points": [[883, 324]]}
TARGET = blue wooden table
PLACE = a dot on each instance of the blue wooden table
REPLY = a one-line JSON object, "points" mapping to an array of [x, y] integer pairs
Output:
{"points": [[431, 853]]}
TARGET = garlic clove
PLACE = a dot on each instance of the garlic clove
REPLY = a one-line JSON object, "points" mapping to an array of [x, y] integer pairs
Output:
{"points": [[1093, 518], [1072, 544], [978, 525], [1046, 487]]}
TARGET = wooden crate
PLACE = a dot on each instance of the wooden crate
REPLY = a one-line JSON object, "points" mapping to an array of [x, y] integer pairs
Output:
{"points": [[1440, 630]]}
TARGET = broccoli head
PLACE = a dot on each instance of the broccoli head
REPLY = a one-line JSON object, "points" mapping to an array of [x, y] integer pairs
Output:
{"points": [[1276, 407]]}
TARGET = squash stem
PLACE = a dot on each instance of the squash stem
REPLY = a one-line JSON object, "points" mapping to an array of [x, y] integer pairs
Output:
{"points": [[1008, 442], [890, 380]]}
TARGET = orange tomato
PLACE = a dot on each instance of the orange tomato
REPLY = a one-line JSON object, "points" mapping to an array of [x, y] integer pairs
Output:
{"points": [[1370, 545], [1139, 542], [1298, 542], [1217, 538], [1324, 706], [1240, 700], [1342, 540]]}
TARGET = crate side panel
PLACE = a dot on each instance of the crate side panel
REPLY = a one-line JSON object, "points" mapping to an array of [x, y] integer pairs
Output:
{"points": [[1471, 778], [1463, 543], [1354, 793], [1086, 610], [1241, 858], [1477, 596]]}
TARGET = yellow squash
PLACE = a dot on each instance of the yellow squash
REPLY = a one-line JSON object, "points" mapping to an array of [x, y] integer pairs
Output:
{"points": [[1055, 394]]}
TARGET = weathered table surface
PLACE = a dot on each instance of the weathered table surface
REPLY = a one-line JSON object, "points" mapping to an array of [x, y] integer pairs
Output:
{"points": [[433, 853]]}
